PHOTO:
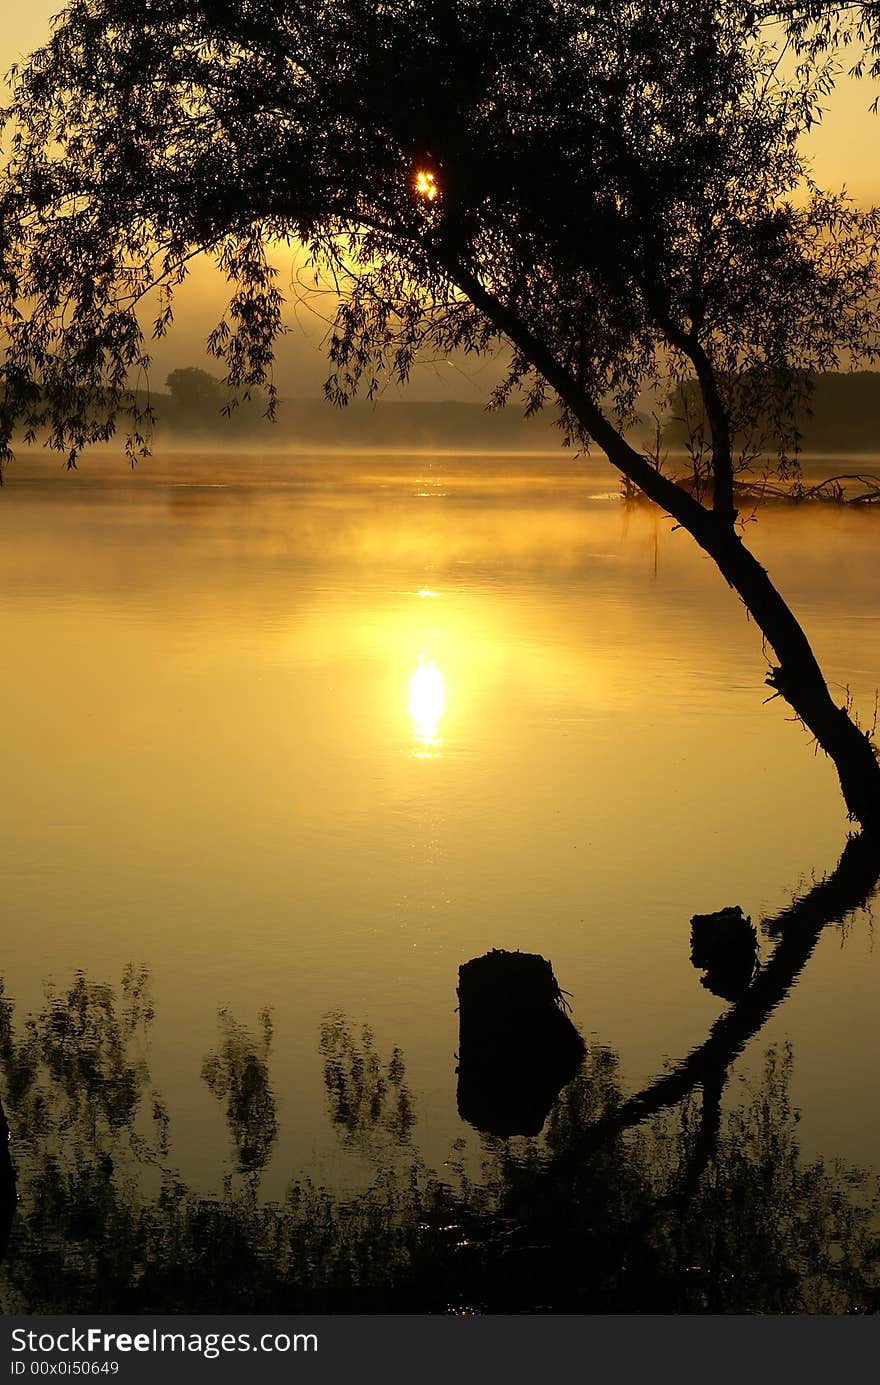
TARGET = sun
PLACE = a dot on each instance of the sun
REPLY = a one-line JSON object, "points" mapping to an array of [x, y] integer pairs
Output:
{"points": [[426, 185]]}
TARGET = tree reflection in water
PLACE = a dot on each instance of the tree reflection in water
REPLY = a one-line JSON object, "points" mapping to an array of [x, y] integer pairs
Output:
{"points": [[658, 1202]]}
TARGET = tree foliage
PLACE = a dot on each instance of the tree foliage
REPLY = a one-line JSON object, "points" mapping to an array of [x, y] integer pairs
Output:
{"points": [[620, 196], [850, 32]]}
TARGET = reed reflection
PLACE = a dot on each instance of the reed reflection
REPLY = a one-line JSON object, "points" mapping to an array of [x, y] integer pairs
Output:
{"points": [[365, 1094], [666, 1200], [684, 1214], [239, 1074]]}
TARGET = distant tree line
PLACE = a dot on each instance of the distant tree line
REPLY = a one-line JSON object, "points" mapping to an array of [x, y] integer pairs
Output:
{"points": [[197, 404], [839, 413]]}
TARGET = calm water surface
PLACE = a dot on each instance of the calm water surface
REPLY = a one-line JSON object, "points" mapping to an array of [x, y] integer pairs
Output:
{"points": [[295, 737]]}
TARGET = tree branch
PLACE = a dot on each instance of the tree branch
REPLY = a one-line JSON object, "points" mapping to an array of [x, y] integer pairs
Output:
{"points": [[672, 497]]}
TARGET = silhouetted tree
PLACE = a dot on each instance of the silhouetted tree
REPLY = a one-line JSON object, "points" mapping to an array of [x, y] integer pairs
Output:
{"points": [[614, 190], [200, 402], [195, 391]]}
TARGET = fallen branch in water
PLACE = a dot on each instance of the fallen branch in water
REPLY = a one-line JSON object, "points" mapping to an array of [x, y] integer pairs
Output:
{"points": [[833, 490]]}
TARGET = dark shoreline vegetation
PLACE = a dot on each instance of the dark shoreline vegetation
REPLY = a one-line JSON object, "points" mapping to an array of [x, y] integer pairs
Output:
{"points": [[660, 1201], [840, 416], [652, 1220]]}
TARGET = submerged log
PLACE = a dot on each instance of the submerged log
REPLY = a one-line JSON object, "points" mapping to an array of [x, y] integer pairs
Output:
{"points": [[725, 946], [517, 1046]]}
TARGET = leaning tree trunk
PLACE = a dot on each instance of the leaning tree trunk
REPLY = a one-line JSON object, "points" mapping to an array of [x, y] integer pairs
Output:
{"points": [[797, 677], [799, 680]]}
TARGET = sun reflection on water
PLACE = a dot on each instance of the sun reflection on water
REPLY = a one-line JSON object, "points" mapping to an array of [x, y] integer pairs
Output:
{"points": [[427, 703]]}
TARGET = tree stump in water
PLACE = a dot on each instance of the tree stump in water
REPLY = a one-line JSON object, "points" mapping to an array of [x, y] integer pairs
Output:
{"points": [[725, 946], [517, 1047]]}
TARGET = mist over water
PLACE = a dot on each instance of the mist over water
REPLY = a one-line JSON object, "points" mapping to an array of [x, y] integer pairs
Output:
{"points": [[300, 735]]}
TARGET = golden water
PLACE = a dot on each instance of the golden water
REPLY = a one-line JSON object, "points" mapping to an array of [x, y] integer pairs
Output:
{"points": [[306, 733]]}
